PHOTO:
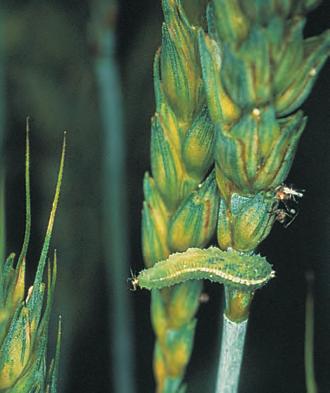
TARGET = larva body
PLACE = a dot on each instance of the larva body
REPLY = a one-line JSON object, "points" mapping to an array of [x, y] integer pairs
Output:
{"points": [[242, 271]]}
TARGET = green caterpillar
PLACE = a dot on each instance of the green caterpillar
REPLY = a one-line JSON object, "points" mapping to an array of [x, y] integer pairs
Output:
{"points": [[238, 270]]}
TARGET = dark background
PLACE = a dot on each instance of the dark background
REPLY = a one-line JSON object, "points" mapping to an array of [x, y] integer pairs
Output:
{"points": [[50, 76]]}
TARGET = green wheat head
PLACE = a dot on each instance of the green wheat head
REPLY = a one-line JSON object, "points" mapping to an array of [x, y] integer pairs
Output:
{"points": [[25, 314], [258, 69], [227, 97], [181, 197]]}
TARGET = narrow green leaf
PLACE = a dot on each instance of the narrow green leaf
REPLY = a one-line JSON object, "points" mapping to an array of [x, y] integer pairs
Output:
{"points": [[45, 247], [27, 196]]}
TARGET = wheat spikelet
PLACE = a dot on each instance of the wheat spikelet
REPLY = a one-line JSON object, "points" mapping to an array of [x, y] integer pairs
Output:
{"points": [[24, 315]]}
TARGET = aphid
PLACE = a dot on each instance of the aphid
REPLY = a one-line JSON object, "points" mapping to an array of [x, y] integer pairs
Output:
{"points": [[134, 282], [284, 193], [242, 271], [285, 216]]}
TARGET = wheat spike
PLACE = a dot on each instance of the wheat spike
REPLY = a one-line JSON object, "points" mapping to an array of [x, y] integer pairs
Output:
{"points": [[257, 69], [181, 201], [24, 315]]}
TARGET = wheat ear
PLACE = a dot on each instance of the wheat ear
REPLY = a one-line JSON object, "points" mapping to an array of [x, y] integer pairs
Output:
{"points": [[257, 69], [24, 317], [181, 201]]}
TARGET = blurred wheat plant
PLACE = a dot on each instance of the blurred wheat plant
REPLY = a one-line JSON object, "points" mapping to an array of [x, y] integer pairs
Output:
{"points": [[103, 41], [24, 315], [181, 197], [257, 69]]}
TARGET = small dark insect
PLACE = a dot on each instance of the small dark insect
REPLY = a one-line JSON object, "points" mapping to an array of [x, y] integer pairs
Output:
{"points": [[285, 216], [134, 283]]}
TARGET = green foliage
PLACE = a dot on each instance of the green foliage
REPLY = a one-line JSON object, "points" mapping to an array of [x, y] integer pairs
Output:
{"points": [[25, 316]]}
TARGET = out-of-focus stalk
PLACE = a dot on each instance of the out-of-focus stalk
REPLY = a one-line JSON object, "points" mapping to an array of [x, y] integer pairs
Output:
{"points": [[311, 385], [2, 136], [103, 23]]}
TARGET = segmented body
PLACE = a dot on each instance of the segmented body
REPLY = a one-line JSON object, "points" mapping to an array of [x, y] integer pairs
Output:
{"points": [[226, 267]]}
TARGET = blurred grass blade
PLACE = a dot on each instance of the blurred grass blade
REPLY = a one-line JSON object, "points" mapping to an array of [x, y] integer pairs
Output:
{"points": [[45, 247], [27, 196], [2, 218], [2, 136], [53, 369], [311, 385], [115, 231]]}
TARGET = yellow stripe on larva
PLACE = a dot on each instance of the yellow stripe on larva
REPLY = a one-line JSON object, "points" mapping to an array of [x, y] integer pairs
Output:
{"points": [[230, 268], [217, 273]]}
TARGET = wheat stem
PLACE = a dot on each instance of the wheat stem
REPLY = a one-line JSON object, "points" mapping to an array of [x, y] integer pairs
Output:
{"points": [[232, 346]]}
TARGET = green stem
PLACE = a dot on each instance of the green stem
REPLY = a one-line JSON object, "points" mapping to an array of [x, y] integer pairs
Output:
{"points": [[235, 320], [237, 304], [311, 386], [232, 345]]}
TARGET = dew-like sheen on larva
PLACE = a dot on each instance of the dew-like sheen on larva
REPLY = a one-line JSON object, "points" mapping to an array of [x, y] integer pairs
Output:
{"points": [[242, 271]]}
